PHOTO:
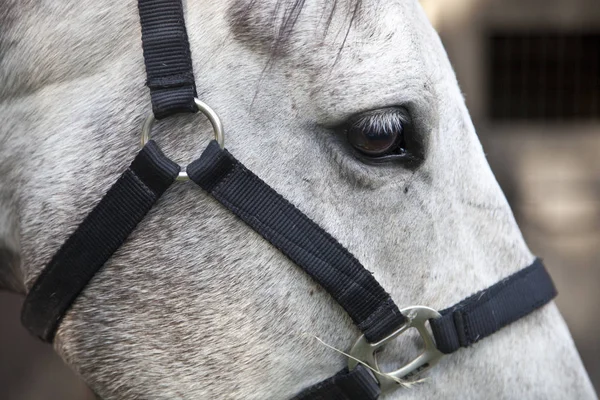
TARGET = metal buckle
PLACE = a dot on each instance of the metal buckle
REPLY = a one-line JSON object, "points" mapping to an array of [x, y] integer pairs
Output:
{"points": [[365, 351]]}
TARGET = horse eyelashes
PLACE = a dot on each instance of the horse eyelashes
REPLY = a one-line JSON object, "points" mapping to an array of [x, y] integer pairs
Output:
{"points": [[378, 133]]}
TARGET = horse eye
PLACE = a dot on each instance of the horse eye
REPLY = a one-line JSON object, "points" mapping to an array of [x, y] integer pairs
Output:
{"points": [[377, 133]]}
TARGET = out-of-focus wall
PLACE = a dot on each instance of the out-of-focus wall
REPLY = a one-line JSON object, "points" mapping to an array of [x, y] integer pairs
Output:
{"points": [[549, 169]]}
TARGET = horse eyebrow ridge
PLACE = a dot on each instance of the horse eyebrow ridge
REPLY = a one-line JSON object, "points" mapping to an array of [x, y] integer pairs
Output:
{"points": [[269, 29]]}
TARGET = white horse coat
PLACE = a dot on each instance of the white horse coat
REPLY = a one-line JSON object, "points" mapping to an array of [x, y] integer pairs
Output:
{"points": [[195, 304]]}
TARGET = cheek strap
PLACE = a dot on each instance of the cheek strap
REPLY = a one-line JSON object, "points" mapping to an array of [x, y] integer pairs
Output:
{"points": [[299, 238], [169, 71]]}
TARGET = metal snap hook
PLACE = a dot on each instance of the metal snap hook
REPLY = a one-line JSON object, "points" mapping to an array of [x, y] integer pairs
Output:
{"points": [[205, 109], [365, 351]]}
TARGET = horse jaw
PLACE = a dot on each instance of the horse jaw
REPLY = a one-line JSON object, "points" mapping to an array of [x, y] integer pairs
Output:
{"points": [[196, 304]]}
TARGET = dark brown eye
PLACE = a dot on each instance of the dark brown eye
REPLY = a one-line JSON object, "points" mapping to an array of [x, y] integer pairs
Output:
{"points": [[377, 133]]}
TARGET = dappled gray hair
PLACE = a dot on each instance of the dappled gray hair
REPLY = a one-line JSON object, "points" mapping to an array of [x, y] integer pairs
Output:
{"points": [[271, 29]]}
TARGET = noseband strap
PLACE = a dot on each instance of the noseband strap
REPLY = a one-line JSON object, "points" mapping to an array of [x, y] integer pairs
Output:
{"points": [[484, 313], [461, 325]]}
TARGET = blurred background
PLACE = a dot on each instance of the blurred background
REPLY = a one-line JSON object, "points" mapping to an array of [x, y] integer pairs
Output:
{"points": [[530, 73]]}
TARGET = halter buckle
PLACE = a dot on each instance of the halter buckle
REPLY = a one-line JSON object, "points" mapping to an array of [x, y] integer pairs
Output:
{"points": [[366, 352]]}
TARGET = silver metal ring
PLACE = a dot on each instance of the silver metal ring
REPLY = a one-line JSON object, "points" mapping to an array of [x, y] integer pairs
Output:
{"points": [[364, 351], [204, 109]]}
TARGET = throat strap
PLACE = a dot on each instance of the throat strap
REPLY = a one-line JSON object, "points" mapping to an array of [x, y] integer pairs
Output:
{"points": [[101, 233], [169, 71], [300, 239]]}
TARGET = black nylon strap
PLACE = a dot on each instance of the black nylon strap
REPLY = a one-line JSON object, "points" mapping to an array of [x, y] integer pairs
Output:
{"points": [[299, 238], [167, 57], [486, 312], [101, 233], [357, 384], [467, 322]]}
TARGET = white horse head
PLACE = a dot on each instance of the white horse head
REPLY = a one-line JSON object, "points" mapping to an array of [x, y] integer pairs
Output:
{"points": [[195, 304]]}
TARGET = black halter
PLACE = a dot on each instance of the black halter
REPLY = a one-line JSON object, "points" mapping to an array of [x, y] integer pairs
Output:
{"points": [[107, 226]]}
